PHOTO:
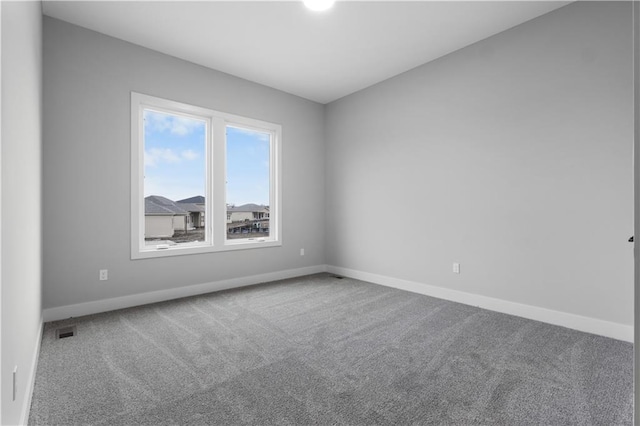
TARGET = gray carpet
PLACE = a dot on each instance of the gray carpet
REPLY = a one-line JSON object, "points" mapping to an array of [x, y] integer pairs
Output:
{"points": [[322, 350]]}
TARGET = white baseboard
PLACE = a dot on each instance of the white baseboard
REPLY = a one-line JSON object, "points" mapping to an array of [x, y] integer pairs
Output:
{"points": [[24, 417], [576, 322], [88, 308]]}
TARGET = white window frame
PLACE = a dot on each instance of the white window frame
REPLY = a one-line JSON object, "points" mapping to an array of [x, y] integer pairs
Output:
{"points": [[215, 196]]}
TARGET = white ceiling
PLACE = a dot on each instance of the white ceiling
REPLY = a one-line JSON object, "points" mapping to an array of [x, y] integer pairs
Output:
{"points": [[319, 56]]}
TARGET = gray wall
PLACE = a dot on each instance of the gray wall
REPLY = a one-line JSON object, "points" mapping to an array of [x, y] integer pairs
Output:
{"points": [[21, 199], [636, 196], [88, 78], [512, 156]]}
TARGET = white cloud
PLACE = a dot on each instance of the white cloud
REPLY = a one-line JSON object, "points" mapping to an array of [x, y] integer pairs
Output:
{"points": [[154, 156], [261, 136], [189, 154], [175, 124], [183, 126]]}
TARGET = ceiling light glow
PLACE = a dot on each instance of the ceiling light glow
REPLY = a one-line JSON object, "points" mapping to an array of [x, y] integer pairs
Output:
{"points": [[318, 5]]}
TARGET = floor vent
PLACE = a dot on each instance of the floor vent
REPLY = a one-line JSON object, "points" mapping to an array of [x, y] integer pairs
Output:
{"points": [[64, 332]]}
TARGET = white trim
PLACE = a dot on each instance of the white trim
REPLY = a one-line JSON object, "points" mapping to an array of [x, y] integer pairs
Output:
{"points": [[1, 260], [24, 417], [88, 308], [200, 249], [564, 319]]}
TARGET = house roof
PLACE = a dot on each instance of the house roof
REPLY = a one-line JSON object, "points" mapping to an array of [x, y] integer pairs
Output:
{"points": [[191, 207], [198, 199], [248, 208], [156, 205]]}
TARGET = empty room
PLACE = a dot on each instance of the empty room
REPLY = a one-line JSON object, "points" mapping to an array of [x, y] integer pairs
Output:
{"points": [[318, 212]]}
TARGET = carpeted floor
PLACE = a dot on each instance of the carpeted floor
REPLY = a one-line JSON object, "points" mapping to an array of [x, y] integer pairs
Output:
{"points": [[322, 350]]}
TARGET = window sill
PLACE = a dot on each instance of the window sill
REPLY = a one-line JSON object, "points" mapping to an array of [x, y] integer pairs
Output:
{"points": [[188, 250]]}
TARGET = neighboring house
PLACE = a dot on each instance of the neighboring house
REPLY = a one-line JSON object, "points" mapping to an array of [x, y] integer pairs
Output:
{"points": [[198, 199], [247, 219], [195, 206], [247, 212], [163, 216]]}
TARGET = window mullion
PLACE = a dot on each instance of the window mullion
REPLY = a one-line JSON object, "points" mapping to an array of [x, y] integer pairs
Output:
{"points": [[208, 196], [275, 186], [218, 182]]}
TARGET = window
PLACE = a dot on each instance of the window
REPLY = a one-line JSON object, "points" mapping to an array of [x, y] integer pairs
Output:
{"points": [[248, 171], [201, 180]]}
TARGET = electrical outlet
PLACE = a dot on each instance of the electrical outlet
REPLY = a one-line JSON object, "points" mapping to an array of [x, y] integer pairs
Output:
{"points": [[15, 382], [104, 274], [301, 252], [456, 268]]}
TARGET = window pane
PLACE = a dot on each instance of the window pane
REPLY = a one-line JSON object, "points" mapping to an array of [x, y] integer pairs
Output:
{"points": [[248, 183], [174, 178]]}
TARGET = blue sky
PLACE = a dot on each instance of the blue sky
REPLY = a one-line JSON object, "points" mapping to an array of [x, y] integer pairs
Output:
{"points": [[247, 166], [175, 160]]}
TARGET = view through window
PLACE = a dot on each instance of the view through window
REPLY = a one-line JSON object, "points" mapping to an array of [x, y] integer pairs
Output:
{"points": [[201, 180], [248, 177], [175, 170]]}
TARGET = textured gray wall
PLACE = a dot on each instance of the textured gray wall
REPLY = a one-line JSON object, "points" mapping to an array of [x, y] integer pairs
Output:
{"points": [[88, 78], [512, 156], [21, 199]]}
